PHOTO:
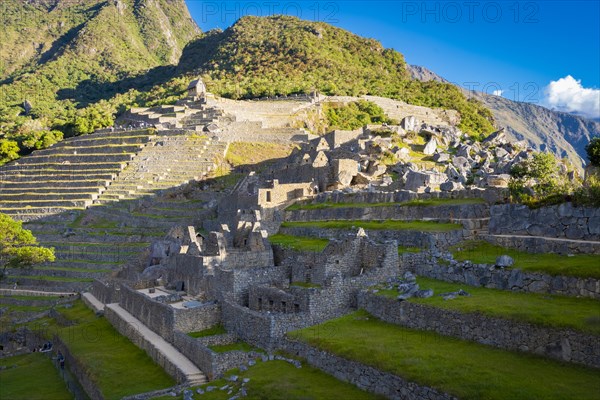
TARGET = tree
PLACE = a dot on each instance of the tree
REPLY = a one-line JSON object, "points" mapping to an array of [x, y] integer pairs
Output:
{"points": [[593, 151], [9, 150], [540, 173], [18, 247]]}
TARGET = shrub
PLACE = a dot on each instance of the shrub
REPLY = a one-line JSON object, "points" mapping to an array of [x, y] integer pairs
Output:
{"points": [[593, 151]]}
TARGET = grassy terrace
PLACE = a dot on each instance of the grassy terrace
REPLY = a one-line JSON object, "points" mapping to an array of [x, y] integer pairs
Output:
{"points": [[555, 311], [277, 380], [215, 330], [50, 278], [299, 243], [412, 203], [424, 226], [480, 252], [241, 346], [118, 367], [464, 369], [31, 377]]}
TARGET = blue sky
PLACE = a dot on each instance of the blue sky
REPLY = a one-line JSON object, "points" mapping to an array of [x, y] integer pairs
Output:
{"points": [[518, 47]]}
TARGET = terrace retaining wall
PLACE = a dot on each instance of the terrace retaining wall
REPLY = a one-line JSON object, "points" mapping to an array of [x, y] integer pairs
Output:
{"points": [[363, 376], [561, 344]]}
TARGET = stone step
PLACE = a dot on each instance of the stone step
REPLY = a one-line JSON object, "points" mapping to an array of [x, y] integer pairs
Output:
{"points": [[33, 214], [14, 178], [75, 203], [60, 166], [107, 149], [83, 264], [54, 284], [96, 247], [25, 198], [76, 158], [104, 141], [69, 256], [74, 183], [60, 273]]}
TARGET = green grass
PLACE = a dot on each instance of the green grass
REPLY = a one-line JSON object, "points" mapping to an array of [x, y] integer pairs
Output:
{"points": [[554, 311], [51, 278], [299, 243], [465, 369], [424, 226], [305, 284], [241, 346], [278, 380], [100, 271], [580, 265], [118, 367], [215, 330], [409, 249], [21, 297], [412, 203], [31, 377], [21, 308]]}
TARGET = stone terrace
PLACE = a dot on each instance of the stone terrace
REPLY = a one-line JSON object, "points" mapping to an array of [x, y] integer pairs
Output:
{"points": [[69, 175]]}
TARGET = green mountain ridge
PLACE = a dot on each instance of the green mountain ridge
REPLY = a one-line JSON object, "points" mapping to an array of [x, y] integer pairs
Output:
{"points": [[70, 48], [96, 59]]}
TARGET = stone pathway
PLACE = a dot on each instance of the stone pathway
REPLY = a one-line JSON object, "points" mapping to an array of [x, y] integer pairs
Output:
{"points": [[92, 302], [194, 376]]}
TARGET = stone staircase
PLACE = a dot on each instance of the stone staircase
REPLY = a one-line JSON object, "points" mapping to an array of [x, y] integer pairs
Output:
{"points": [[67, 176], [169, 160]]}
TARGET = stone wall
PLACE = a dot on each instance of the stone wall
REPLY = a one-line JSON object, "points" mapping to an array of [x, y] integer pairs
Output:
{"points": [[132, 332], [490, 195], [158, 317], [78, 369], [213, 364], [412, 238], [106, 293], [562, 344], [488, 276], [234, 284], [559, 221], [363, 376], [197, 318], [534, 244], [393, 212]]}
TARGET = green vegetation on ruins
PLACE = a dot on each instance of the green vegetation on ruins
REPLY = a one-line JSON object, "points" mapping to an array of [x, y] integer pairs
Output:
{"points": [[412, 203], [355, 115], [283, 55], [274, 380], [18, 247], [464, 369], [245, 153], [215, 330], [539, 182], [299, 243], [549, 310], [392, 225], [237, 346], [115, 364], [31, 377], [481, 252]]}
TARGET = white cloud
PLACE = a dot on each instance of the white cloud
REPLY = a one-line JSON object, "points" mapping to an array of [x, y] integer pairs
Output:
{"points": [[567, 94], [498, 92]]}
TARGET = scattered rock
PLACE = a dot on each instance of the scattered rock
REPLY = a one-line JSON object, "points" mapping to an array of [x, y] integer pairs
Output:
{"points": [[424, 294], [430, 147], [504, 261]]}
